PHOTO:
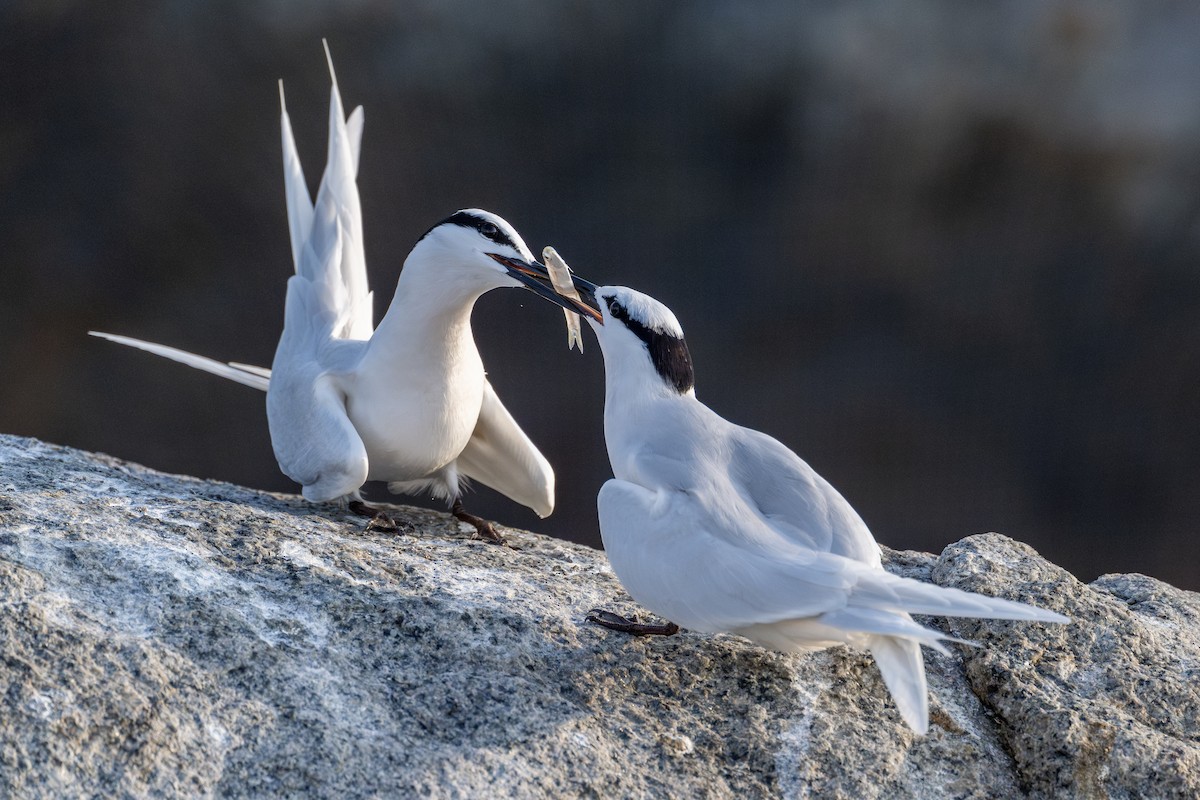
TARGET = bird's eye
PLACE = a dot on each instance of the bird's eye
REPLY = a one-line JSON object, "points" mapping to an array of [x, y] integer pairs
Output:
{"points": [[489, 230]]}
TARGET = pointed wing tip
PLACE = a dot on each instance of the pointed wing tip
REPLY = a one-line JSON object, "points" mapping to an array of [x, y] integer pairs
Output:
{"points": [[1026, 612], [329, 60], [282, 104]]}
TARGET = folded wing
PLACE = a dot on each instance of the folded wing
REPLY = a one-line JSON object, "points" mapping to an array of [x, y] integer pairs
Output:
{"points": [[794, 500]]}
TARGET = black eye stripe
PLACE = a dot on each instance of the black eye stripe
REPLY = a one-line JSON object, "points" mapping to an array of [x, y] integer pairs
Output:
{"points": [[486, 228], [669, 354]]}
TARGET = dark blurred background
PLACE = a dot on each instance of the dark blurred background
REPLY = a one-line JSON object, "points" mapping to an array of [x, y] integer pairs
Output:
{"points": [[948, 252]]}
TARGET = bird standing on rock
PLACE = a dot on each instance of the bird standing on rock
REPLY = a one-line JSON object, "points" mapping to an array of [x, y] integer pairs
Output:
{"points": [[407, 402], [721, 528]]}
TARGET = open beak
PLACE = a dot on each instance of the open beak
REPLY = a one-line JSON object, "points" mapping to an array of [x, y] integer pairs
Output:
{"points": [[536, 278]]}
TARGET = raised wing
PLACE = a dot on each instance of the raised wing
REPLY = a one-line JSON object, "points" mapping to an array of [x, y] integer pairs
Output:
{"points": [[354, 127], [295, 188], [328, 310], [500, 455], [254, 377], [334, 225]]}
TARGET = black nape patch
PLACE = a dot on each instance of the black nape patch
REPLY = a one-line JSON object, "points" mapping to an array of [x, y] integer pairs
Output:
{"points": [[669, 354], [488, 229]]}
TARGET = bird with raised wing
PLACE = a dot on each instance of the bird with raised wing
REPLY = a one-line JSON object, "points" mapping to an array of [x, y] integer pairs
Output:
{"points": [[406, 402], [717, 527]]}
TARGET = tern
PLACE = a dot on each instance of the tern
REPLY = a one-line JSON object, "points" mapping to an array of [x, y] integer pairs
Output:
{"points": [[717, 527], [406, 402]]}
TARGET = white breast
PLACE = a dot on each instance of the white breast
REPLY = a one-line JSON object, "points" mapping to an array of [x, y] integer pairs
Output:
{"points": [[415, 423]]}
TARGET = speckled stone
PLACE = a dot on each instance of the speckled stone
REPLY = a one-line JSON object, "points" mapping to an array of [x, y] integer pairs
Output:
{"points": [[166, 636], [1106, 707]]}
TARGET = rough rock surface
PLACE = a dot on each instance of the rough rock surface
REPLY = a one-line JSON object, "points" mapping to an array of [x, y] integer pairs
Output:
{"points": [[167, 636]]}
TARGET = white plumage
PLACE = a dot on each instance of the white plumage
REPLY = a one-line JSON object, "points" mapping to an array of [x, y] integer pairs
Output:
{"points": [[721, 528], [407, 402]]}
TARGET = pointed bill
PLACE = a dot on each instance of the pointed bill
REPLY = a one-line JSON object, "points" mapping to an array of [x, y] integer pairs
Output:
{"points": [[560, 277]]}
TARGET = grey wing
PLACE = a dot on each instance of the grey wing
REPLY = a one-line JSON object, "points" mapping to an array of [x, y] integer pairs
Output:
{"points": [[680, 559], [500, 455], [795, 501]]}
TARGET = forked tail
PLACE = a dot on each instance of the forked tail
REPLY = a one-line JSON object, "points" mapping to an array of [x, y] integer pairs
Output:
{"points": [[903, 668], [254, 377], [880, 607]]}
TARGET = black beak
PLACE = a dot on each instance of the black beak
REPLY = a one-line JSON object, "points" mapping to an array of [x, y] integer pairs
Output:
{"points": [[536, 278]]}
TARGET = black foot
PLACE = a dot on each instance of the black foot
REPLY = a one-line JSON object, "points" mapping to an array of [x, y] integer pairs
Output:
{"points": [[379, 521], [483, 529], [616, 622]]}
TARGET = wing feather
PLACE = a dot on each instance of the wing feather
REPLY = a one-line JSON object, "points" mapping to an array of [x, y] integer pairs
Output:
{"points": [[716, 581], [694, 567], [500, 455], [354, 128], [299, 204], [314, 440], [797, 502]]}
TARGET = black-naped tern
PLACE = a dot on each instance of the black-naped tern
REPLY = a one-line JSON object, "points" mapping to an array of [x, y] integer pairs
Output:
{"points": [[721, 528], [408, 402]]}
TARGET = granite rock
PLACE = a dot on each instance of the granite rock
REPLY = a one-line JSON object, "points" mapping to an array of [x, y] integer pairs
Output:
{"points": [[168, 636]]}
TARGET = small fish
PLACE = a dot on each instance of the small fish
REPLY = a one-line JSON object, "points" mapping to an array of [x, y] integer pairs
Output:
{"points": [[560, 277]]}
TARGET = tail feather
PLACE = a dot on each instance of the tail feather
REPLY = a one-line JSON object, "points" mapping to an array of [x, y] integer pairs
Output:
{"points": [[246, 375], [299, 203], [903, 669], [260, 371], [889, 623], [892, 593]]}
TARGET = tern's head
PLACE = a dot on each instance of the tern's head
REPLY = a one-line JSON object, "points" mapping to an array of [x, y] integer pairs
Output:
{"points": [[475, 251], [640, 335], [463, 247]]}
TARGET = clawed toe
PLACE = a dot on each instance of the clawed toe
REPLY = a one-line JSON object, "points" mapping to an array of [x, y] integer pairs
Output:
{"points": [[616, 622], [483, 529], [379, 521], [608, 619], [383, 523], [488, 533]]}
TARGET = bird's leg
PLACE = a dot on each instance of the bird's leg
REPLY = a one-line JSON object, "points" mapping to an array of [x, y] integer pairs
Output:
{"points": [[616, 622], [483, 529], [379, 520]]}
